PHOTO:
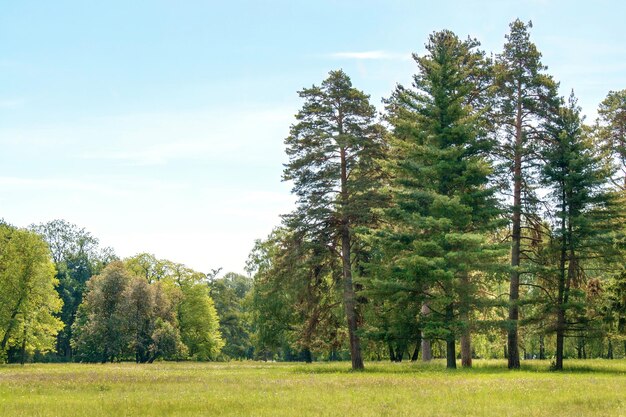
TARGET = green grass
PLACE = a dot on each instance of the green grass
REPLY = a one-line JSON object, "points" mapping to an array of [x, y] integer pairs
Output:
{"points": [[585, 388]]}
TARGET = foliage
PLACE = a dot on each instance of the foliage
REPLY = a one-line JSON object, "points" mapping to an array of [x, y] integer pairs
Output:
{"points": [[28, 300], [525, 96], [199, 324], [231, 295], [124, 316], [77, 258], [333, 149], [443, 205]]}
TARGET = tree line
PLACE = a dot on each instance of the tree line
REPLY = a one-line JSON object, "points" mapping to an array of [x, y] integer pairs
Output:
{"points": [[479, 212], [479, 216], [64, 298]]}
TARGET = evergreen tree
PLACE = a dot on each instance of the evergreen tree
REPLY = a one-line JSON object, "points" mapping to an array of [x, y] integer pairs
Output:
{"points": [[443, 205], [576, 172], [526, 96], [332, 151], [612, 112]]}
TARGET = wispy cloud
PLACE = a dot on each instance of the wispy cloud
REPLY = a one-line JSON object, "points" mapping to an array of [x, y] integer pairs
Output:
{"points": [[372, 55]]}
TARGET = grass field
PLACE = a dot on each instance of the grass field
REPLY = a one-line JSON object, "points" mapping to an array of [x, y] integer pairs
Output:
{"points": [[585, 388]]}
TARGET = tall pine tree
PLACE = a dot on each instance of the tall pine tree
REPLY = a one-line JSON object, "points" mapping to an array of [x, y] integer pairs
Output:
{"points": [[443, 205], [332, 152], [576, 173], [525, 96]]}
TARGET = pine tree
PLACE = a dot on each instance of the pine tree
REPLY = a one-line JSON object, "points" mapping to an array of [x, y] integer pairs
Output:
{"points": [[443, 205], [525, 96], [332, 151], [612, 114], [576, 172]]}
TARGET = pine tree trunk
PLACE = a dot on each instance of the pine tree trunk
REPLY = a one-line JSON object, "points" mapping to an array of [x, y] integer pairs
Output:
{"points": [[349, 297], [349, 300], [560, 317], [516, 239], [466, 349], [466, 344], [542, 347], [450, 340], [560, 338], [308, 358], [427, 353], [450, 352], [416, 351]]}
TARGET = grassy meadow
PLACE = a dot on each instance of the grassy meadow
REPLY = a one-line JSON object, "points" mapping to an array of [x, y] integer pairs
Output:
{"points": [[585, 388]]}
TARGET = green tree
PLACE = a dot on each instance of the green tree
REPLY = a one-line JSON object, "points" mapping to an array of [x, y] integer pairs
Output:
{"points": [[28, 300], [612, 120], [199, 323], [138, 308], [231, 295], [526, 96], [332, 152], [124, 316], [99, 332], [576, 172], [149, 267], [296, 298], [443, 206], [77, 258]]}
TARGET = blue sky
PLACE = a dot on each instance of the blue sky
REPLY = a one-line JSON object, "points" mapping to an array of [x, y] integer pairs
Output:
{"points": [[159, 125]]}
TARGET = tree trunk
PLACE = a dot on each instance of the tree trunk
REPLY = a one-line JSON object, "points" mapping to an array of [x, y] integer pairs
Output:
{"points": [[450, 345], [427, 353], [349, 297], [466, 344], [466, 349], [450, 352], [609, 353], [416, 351], [564, 284], [560, 315], [516, 239], [560, 338], [308, 357], [542, 347]]}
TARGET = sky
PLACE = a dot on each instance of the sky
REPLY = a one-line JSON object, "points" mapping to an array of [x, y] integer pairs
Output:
{"points": [[158, 126]]}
